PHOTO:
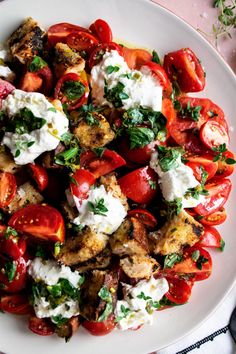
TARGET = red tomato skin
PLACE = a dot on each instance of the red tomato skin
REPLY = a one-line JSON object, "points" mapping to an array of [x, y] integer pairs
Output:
{"points": [[179, 289], [196, 163], [39, 221], [135, 185], [5, 89], [100, 50], [81, 40], [31, 82], [218, 194], [212, 134], [60, 31], [101, 30], [136, 58], [161, 76], [14, 247], [224, 169], [19, 281], [85, 180], [100, 328], [141, 155], [210, 238], [40, 326], [40, 175], [8, 188], [184, 67], [16, 304], [145, 216], [169, 112], [214, 219], [100, 166]]}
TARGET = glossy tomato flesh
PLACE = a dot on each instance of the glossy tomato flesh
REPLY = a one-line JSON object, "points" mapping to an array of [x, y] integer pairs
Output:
{"points": [[7, 188], [136, 58], [101, 30], [18, 276], [213, 134], [179, 289], [100, 328], [16, 304], [215, 218], [145, 216], [210, 238], [40, 175], [82, 180], [41, 326], [199, 164]]}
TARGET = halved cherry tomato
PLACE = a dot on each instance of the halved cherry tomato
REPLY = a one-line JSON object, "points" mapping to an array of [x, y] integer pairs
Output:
{"points": [[199, 164], [40, 221], [100, 328], [140, 155], [218, 195], [169, 112], [10, 245], [101, 30], [100, 50], [73, 97], [145, 216], [161, 76], [100, 166], [40, 175], [179, 289], [31, 82], [17, 304], [139, 185], [41, 326], [225, 169], [83, 181], [5, 88], [60, 31], [216, 218], [210, 238], [212, 134], [196, 260], [7, 188], [81, 41], [13, 274], [184, 67], [136, 58]]}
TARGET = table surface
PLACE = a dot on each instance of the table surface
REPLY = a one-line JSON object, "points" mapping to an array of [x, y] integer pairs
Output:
{"points": [[202, 15]]}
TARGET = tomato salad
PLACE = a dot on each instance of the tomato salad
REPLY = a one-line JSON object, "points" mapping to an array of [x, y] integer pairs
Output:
{"points": [[112, 179]]}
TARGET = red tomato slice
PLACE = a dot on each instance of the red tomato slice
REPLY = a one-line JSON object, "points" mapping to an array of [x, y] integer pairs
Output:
{"points": [[100, 166], [199, 164], [135, 58], [7, 188], [18, 278], [161, 76], [31, 82], [225, 169], [212, 134], [218, 195], [12, 246], [59, 32], [5, 88], [169, 112], [100, 328], [143, 215], [40, 221], [139, 185], [210, 238], [200, 266], [140, 155], [83, 181], [40, 175], [80, 40], [101, 30], [179, 289], [216, 218], [100, 50], [16, 304], [184, 67], [41, 326]]}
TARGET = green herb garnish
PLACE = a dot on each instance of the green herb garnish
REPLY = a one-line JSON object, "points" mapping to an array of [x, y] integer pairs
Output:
{"points": [[139, 136], [10, 270], [190, 112], [168, 157], [125, 311], [106, 296], [73, 90], [116, 94], [24, 122], [155, 57], [172, 208], [200, 261], [10, 232], [112, 69], [98, 208], [36, 64], [172, 259]]}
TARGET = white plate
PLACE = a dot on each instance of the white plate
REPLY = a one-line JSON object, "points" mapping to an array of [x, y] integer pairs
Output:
{"points": [[147, 25]]}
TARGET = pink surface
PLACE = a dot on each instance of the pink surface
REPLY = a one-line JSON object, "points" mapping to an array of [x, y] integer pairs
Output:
{"points": [[202, 15]]}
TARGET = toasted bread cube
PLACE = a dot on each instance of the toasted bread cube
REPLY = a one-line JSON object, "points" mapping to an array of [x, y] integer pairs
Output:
{"points": [[67, 60], [130, 238], [79, 249], [101, 261], [26, 194], [94, 135], [67, 329], [183, 230], [7, 163], [139, 266], [111, 185], [92, 305], [27, 41]]}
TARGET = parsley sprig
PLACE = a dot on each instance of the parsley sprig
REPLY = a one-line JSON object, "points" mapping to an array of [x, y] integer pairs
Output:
{"points": [[98, 208], [220, 150], [189, 111]]}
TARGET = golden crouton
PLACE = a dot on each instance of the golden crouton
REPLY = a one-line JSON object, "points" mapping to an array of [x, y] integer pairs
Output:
{"points": [[101, 261], [182, 230], [7, 163], [27, 41], [111, 185], [130, 238], [94, 133], [79, 249], [67, 60], [26, 194], [139, 266]]}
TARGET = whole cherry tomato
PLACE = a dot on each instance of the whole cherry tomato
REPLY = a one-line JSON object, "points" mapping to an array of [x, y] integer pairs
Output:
{"points": [[100, 328]]}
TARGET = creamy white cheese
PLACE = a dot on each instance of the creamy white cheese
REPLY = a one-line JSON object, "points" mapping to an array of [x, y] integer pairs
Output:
{"points": [[175, 182], [107, 223], [49, 272], [45, 139], [141, 88], [137, 302], [5, 71]]}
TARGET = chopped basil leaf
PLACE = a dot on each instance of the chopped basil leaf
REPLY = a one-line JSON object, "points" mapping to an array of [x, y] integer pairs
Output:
{"points": [[112, 69], [10, 270], [168, 157], [155, 57], [190, 112], [139, 136], [125, 311], [106, 296], [66, 138], [152, 184], [10, 232], [172, 208], [73, 90], [99, 151], [59, 320], [36, 64], [143, 296], [17, 153], [200, 261], [222, 244], [91, 119], [230, 161], [98, 208], [171, 259], [195, 255], [115, 95], [24, 122]]}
